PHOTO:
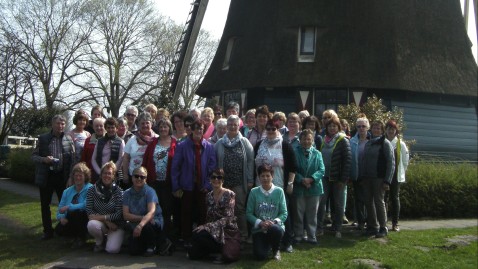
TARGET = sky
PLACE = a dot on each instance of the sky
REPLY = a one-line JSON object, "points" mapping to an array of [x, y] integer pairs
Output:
{"points": [[214, 19], [216, 14]]}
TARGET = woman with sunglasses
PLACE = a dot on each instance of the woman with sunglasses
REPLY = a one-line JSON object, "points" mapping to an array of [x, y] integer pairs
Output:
{"points": [[275, 152], [145, 221], [209, 237], [357, 146], [193, 162]]}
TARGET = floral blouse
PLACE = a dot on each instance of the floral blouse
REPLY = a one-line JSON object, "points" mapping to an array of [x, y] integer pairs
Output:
{"points": [[220, 215]]}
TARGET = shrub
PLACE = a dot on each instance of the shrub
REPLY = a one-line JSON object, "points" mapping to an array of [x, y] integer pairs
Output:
{"points": [[20, 166], [440, 190]]}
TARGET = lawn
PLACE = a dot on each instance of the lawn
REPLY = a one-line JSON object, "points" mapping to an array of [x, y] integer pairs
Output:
{"points": [[21, 228]]}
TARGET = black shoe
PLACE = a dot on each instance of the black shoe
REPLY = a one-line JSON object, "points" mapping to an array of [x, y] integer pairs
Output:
{"points": [[370, 232], [382, 232], [46, 236]]}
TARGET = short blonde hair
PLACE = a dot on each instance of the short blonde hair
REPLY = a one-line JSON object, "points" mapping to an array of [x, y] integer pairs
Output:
{"points": [[81, 167], [109, 165]]}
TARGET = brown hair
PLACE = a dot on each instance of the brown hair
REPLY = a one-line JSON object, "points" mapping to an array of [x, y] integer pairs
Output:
{"points": [[81, 167], [333, 120]]}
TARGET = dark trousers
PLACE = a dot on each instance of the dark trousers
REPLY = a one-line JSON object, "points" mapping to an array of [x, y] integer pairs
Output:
{"points": [[336, 190], [165, 196], [289, 229], [202, 244], [263, 242], [55, 183], [193, 209], [76, 225], [360, 212], [151, 236], [392, 197]]}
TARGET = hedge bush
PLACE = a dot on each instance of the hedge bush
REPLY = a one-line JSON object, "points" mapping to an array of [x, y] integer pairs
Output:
{"points": [[20, 165], [445, 190]]}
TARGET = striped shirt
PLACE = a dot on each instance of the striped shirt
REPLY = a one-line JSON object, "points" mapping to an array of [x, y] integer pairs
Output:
{"points": [[113, 209]]}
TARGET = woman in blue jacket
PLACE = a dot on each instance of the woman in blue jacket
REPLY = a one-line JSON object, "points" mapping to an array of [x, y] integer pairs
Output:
{"points": [[71, 212]]}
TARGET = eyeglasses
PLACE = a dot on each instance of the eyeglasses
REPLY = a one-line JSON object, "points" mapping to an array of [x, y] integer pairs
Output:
{"points": [[139, 177], [130, 115], [214, 177], [271, 129], [361, 126]]}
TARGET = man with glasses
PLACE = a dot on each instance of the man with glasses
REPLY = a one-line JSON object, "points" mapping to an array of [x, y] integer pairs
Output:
{"points": [[131, 114]]}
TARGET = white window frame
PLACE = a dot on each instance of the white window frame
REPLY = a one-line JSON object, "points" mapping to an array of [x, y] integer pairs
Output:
{"points": [[307, 37]]}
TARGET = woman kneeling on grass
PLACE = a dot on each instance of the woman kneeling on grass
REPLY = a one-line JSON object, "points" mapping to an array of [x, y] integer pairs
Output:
{"points": [[104, 206], [266, 211], [141, 209], [210, 237], [71, 210]]}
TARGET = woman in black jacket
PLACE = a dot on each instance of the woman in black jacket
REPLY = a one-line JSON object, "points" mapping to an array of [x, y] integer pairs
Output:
{"points": [[337, 158]]}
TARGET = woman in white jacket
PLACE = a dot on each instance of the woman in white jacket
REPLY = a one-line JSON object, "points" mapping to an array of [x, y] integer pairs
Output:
{"points": [[392, 131]]}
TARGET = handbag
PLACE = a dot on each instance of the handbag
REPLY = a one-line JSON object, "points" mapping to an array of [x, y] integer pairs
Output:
{"points": [[231, 251]]}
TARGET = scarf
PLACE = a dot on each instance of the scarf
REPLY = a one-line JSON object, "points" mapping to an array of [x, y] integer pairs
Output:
{"points": [[231, 143], [145, 139], [197, 157], [105, 193]]}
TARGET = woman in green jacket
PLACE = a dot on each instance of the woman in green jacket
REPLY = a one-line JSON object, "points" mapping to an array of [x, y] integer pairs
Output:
{"points": [[307, 187]]}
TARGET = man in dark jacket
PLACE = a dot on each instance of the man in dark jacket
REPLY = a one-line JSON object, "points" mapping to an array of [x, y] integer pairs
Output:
{"points": [[53, 158]]}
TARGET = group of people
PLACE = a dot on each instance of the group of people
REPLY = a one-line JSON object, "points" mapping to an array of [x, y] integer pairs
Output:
{"points": [[197, 177]]}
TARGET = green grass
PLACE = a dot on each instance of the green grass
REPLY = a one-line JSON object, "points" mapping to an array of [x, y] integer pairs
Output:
{"points": [[20, 231], [400, 250], [20, 247]]}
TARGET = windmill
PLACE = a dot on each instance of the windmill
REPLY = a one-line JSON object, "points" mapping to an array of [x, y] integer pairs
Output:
{"points": [[319, 54]]}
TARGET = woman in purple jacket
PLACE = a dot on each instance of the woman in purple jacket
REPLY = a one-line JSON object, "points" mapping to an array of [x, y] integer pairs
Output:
{"points": [[193, 163]]}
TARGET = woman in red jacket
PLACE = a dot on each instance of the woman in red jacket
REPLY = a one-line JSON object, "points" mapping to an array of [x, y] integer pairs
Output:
{"points": [[157, 159]]}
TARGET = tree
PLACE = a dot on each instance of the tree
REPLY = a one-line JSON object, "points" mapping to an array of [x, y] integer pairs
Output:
{"points": [[52, 34], [14, 85], [126, 54], [374, 110]]}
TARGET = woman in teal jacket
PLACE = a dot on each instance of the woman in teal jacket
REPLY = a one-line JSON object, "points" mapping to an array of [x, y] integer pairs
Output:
{"points": [[307, 187], [71, 212]]}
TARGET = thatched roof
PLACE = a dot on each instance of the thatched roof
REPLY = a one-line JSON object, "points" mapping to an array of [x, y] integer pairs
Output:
{"points": [[419, 46]]}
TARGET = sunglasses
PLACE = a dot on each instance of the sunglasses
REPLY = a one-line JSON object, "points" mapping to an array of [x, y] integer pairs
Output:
{"points": [[130, 115], [214, 177], [273, 129], [139, 177], [361, 126]]}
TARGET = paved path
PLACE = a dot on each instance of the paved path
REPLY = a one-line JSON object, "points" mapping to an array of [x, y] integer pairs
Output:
{"points": [[85, 258]]}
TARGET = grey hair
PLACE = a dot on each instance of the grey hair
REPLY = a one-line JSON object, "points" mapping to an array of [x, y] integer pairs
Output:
{"points": [[364, 120], [222, 122], [58, 117], [234, 105], [134, 108], [233, 118], [145, 116]]}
